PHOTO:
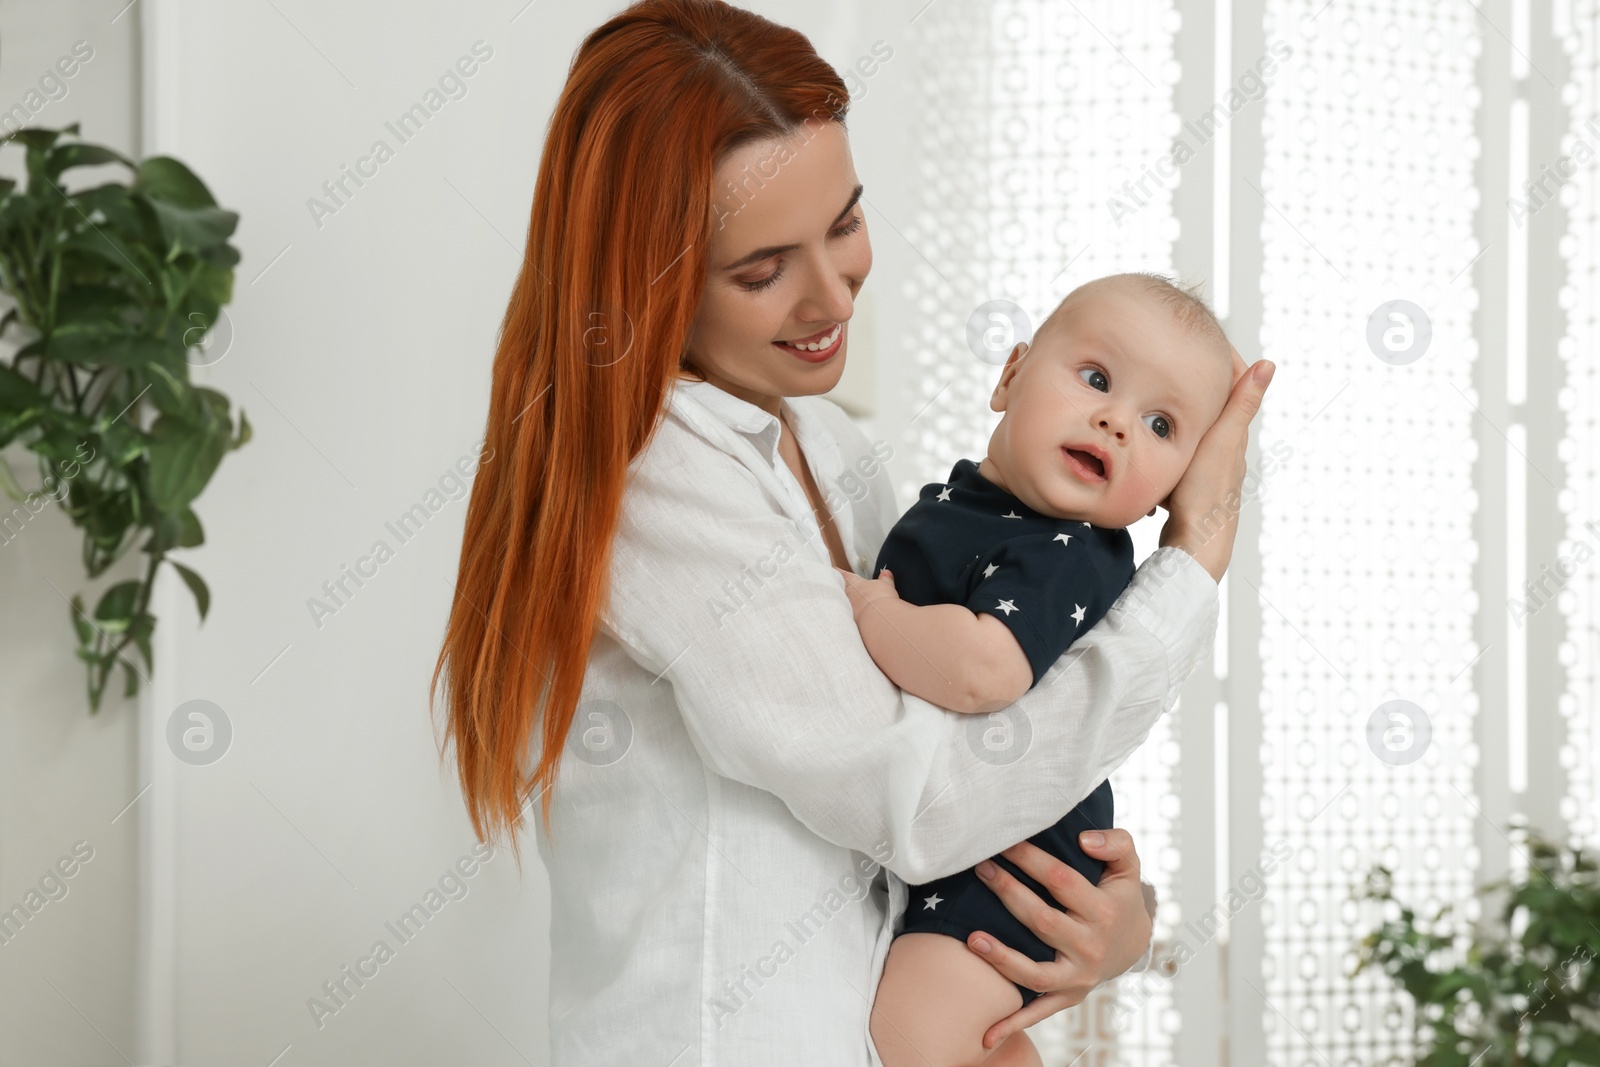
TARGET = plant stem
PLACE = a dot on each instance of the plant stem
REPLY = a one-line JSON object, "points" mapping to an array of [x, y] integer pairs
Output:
{"points": [[138, 611]]}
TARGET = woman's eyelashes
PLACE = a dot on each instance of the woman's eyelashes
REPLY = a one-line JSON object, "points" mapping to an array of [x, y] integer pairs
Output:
{"points": [[758, 284], [764, 283], [1103, 383]]}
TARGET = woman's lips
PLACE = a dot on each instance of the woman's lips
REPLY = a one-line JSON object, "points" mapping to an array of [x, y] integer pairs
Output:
{"points": [[816, 348], [1084, 465]]}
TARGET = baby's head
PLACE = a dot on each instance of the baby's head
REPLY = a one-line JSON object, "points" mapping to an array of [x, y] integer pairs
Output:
{"points": [[1104, 409]]}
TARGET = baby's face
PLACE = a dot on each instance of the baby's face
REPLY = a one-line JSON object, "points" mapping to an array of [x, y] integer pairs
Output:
{"points": [[1104, 410]]}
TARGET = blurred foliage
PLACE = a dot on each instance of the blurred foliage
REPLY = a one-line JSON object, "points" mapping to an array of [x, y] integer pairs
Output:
{"points": [[113, 286], [1520, 992]]}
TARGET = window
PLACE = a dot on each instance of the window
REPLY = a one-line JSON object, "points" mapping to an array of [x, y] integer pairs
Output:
{"points": [[1396, 202]]}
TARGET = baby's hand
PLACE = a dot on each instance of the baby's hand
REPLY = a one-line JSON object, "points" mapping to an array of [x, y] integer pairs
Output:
{"points": [[863, 591]]}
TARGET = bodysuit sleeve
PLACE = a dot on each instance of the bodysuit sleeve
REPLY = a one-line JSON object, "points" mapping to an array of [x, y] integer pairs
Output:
{"points": [[1047, 588]]}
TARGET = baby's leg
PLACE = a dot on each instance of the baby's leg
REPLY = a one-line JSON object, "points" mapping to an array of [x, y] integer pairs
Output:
{"points": [[935, 1002]]}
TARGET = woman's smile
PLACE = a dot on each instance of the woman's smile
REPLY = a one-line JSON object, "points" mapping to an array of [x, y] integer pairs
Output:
{"points": [[817, 348]]}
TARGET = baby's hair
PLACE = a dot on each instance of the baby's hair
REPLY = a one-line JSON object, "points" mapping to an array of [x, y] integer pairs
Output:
{"points": [[1186, 301]]}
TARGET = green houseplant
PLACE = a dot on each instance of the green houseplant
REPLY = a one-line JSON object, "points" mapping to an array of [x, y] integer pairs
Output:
{"points": [[1524, 991], [114, 290]]}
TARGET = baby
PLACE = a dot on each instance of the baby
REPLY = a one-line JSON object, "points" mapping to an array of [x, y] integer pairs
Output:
{"points": [[990, 577]]}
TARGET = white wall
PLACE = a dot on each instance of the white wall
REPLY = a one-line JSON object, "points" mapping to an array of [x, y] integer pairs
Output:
{"points": [[361, 352], [66, 977]]}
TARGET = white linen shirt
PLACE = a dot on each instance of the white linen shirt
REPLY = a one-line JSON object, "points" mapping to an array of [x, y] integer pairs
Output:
{"points": [[740, 773]]}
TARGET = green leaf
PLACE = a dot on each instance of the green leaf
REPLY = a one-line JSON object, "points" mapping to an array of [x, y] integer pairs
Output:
{"points": [[121, 442], [182, 460], [81, 154], [129, 216], [221, 256], [214, 285], [115, 610], [193, 229], [16, 390], [174, 396], [244, 434], [191, 533], [90, 346], [175, 531], [38, 137], [80, 622], [107, 246], [197, 586], [98, 306], [164, 178]]}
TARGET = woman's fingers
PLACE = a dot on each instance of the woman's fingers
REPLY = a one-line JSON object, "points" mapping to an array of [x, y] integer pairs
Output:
{"points": [[1061, 880], [1041, 1007], [1245, 399], [1239, 365], [1101, 934], [1115, 847], [1062, 930], [1203, 508], [1062, 975]]}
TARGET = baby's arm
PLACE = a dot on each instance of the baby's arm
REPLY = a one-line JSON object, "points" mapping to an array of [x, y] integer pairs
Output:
{"points": [[946, 654]]}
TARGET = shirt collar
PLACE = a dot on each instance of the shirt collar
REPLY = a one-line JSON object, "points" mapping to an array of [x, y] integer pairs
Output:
{"points": [[756, 424]]}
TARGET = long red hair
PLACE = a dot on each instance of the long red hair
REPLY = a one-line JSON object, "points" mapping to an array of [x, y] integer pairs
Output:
{"points": [[592, 339]]}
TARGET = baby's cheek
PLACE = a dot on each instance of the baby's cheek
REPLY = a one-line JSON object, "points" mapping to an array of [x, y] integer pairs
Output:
{"points": [[1135, 496]]}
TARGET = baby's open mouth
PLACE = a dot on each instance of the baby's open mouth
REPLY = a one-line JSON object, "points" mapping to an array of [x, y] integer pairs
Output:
{"points": [[1089, 460]]}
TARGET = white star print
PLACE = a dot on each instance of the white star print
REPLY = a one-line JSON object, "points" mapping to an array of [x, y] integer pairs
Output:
{"points": [[944, 494], [1007, 606], [1086, 524], [990, 569], [1065, 539], [1013, 515], [929, 903], [1078, 615]]}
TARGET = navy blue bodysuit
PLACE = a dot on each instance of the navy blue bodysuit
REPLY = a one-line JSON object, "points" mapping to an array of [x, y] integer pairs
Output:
{"points": [[971, 542]]}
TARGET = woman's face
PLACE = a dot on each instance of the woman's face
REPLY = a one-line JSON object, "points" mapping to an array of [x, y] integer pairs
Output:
{"points": [[788, 254]]}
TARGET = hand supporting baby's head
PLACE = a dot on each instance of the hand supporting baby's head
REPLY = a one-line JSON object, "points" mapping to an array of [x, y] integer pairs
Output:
{"points": [[1104, 409]]}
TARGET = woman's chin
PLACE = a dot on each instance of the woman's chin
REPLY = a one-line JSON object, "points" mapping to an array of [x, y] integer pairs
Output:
{"points": [[815, 379]]}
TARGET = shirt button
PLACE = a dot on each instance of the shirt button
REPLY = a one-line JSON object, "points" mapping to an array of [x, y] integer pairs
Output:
{"points": [[861, 563]]}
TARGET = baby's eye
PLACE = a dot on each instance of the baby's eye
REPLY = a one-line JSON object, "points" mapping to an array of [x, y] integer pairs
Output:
{"points": [[1160, 426], [1102, 384]]}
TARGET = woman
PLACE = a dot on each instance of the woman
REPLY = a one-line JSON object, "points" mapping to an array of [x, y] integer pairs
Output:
{"points": [[648, 579]]}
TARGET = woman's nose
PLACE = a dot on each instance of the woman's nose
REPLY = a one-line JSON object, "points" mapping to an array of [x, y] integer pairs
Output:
{"points": [[828, 297]]}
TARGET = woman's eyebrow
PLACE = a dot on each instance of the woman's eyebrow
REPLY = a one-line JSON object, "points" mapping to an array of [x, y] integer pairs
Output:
{"points": [[775, 250]]}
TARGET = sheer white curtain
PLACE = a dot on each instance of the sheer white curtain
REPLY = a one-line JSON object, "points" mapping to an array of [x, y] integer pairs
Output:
{"points": [[1386, 688]]}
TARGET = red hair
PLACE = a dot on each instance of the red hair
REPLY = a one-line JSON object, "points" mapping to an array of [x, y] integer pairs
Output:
{"points": [[592, 339]]}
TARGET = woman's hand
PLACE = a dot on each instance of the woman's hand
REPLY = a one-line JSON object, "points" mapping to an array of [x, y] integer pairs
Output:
{"points": [[1203, 508], [1103, 932], [863, 591]]}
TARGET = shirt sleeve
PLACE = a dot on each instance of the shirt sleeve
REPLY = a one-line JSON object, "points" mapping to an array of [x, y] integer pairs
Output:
{"points": [[1046, 592], [715, 592]]}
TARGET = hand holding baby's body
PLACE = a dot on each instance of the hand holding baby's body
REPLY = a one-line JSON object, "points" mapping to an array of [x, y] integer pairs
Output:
{"points": [[938, 1008]]}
